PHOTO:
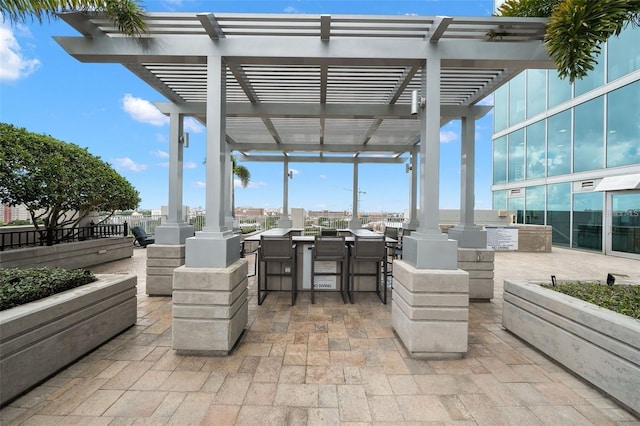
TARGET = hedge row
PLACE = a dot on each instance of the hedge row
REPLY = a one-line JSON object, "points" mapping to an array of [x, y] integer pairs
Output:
{"points": [[20, 286]]}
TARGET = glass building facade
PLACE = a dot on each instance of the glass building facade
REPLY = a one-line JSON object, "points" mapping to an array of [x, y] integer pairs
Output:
{"points": [[554, 143]]}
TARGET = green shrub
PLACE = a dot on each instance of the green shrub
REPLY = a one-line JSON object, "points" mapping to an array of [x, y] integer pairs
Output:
{"points": [[623, 299], [20, 286]]}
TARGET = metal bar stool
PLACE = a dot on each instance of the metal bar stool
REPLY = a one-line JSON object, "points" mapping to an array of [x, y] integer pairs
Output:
{"points": [[330, 249], [369, 249], [282, 251]]}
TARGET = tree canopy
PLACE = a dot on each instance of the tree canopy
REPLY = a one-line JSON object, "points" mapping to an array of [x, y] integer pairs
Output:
{"points": [[59, 183], [127, 15], [577, 28]]}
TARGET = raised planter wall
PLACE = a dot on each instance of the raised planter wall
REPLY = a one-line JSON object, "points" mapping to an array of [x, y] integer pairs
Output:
{"points": [[601, 346], [80, 254], [42, 337]]}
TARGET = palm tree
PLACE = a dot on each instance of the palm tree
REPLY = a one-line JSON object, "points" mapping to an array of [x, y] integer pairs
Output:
{"points": [[127, 15], [242, 173], [577, 28]]}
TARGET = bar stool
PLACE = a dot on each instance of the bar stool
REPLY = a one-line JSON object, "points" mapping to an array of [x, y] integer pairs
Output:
{"points": [[330, 249], [368, 250], [282, 251]]}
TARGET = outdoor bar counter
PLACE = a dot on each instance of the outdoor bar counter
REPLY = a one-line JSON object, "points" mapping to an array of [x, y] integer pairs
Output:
{"points": [[365, 272]]}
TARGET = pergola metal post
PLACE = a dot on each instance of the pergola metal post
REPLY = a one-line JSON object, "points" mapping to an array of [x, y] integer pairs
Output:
{"points": [[413, 223], [466, 232], [428, 247], [285, 220], [355, 222], [215, 246]]}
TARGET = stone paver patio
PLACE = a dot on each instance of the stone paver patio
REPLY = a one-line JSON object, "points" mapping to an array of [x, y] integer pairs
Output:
{"points": [[327, 363]]}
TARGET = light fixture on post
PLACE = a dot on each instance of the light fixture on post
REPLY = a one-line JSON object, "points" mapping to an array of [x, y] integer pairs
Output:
{"points": [[290, 174], [417, 102], [184, 140], [408, 167]]}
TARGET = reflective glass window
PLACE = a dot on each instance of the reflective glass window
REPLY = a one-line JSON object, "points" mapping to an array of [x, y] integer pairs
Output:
{"points": [[536, 157], [500, 108], [534, 205], [500, 160], [536, 92], [516, 204], [625, 221], [499, 200], [516, 156], [517, 101], [587, 220], [623, 53], [559, 144], [623, 126], [559, 90], [588, 127], [593, 80], [559, 213]]}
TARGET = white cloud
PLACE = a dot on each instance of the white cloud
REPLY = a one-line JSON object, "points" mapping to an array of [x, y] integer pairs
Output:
{"points": [[290, 9], [129, 164], [199, 184], [143, 111], [191, 125], [323, 176], [13, 64], [447, 136], [160, 154], [190, 165]]}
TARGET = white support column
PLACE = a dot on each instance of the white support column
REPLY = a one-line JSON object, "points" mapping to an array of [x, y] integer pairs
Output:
{"points": [[228, 183], [428, 247], [466, 232], [355, 222], [175, 231], [285, 221], [413, 223], [216, 246]]}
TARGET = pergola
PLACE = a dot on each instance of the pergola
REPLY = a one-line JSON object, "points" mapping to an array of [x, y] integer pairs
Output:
{"points": [[324, 88]]}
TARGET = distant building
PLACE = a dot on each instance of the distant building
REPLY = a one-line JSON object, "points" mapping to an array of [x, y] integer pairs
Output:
{"points": [[248, 212]]}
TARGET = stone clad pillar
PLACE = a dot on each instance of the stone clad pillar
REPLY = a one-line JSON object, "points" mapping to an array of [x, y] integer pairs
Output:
{"points": [[430, 304], [210, 307]]}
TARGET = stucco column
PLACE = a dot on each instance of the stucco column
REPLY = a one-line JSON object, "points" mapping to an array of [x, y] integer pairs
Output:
{"points": [[355, 222], [175, 231], [466, 232], [285, 221], [215, 246], [428, 247]]}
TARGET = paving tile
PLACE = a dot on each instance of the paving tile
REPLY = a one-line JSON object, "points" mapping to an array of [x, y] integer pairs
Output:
{"points": [[259, 415], [318, 358], [221, 415], [325, 375], [128, 375], [427, 408], [353, 404], [73, 396], [136, 404], [192, 410], [268, 369], [483, 410], [375, 382], [560, 415], [185, 381], [323, 416], [318, 342], [328, 396], [293, 374], [150, 380], [233, 389], [97, 403], [260, 394], [295, 354], [169, 405], [296, 395], [384, 408]]}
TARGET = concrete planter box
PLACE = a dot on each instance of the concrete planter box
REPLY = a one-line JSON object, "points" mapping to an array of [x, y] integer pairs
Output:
{"points": [[42, 337], [80, 254], [601, 346]]}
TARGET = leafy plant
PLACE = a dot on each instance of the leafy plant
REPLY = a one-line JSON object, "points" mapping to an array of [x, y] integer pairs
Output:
{"points": [[35, 171], [623, 299], [20, 286]]}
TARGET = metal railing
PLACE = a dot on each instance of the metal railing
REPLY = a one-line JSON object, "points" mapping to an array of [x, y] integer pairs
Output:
{"points": [[35, 238]]}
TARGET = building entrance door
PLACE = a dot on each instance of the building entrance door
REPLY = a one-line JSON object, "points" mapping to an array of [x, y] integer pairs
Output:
{"points": [[623, 227]]}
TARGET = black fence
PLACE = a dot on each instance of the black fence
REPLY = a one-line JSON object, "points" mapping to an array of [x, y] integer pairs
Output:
{"points": [[33, 238]]}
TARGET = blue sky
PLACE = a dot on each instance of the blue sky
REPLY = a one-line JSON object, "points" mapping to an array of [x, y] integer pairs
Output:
{"points": [[107, 109]]}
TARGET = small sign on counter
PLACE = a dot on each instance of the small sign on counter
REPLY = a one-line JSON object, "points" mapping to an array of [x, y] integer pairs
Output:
{"points": [[502, 238]]}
